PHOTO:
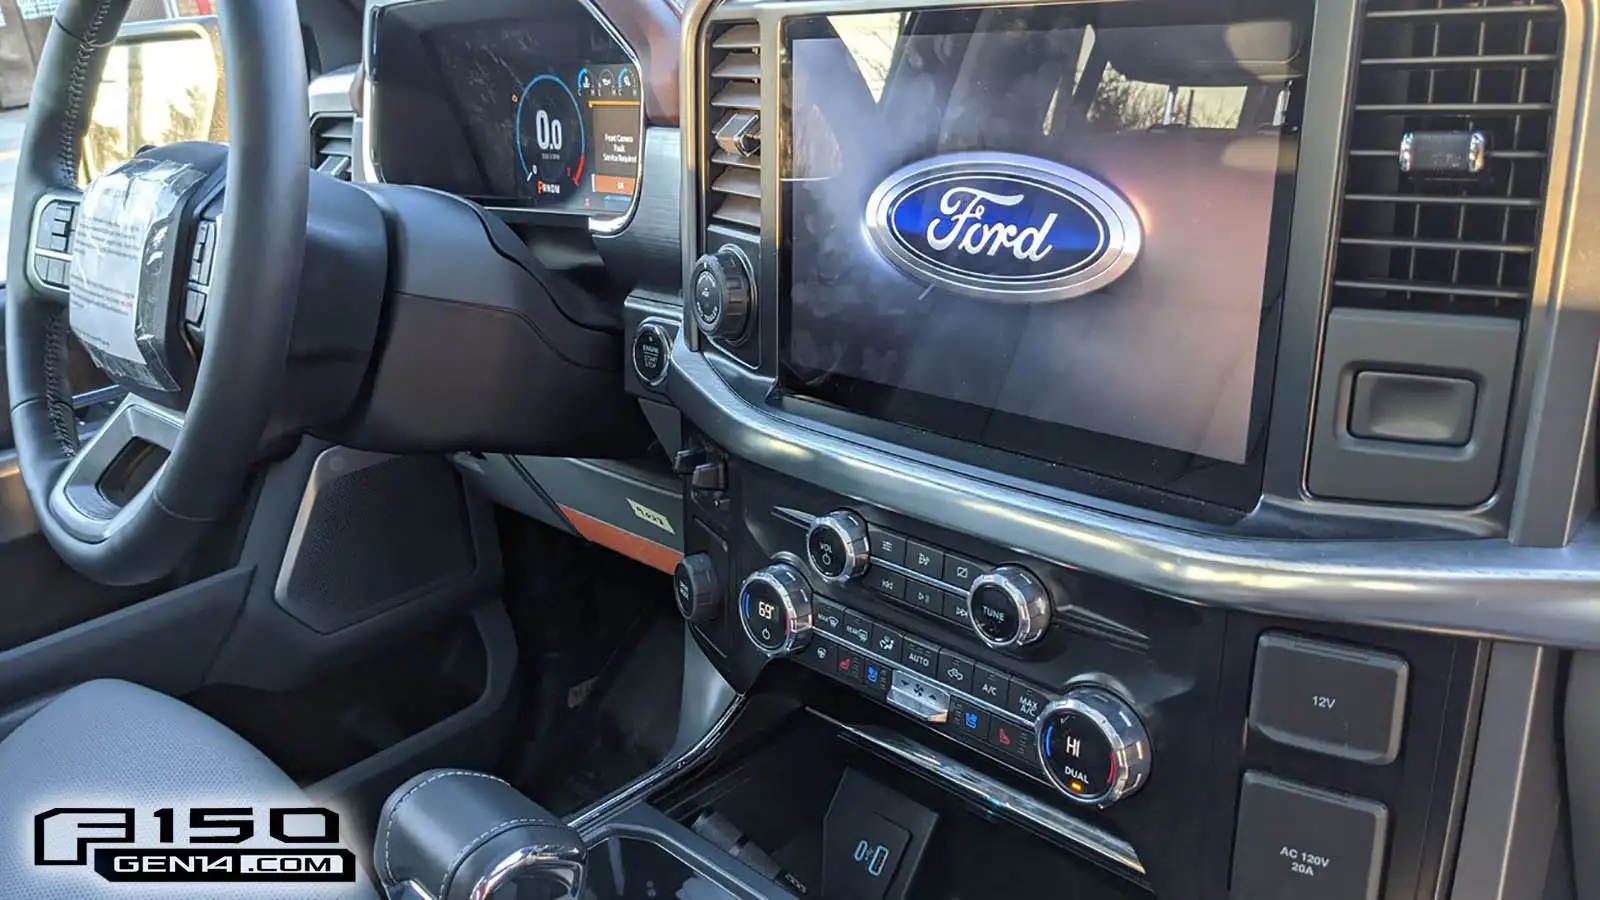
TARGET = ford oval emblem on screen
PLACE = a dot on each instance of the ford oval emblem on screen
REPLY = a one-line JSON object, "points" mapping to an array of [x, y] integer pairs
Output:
{"points": [[1003, 227]]}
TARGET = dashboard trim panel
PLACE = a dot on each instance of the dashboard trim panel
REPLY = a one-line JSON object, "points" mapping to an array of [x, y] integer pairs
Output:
{"points": [[1483, 587]]}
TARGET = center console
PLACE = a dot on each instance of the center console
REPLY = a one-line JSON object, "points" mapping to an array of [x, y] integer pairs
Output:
{"points": [[1100, 418]]}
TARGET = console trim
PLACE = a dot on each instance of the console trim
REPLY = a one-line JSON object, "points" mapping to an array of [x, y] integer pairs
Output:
{"points": [[976, 785], [1476, 587]]}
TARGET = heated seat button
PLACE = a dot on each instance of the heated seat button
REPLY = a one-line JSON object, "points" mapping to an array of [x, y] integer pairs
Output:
{"points": [[968, 719], [1013, 740], [876, 677], [1297, 841], [1329, 698]]}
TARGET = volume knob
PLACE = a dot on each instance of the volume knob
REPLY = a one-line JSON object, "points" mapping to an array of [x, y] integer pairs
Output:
{"points": [[837, 547], [723, 288], [1094, 747], [775, 609]]}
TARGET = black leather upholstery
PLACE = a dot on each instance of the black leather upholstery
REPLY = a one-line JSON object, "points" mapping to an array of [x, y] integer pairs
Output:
{"points": [[446, 829]]}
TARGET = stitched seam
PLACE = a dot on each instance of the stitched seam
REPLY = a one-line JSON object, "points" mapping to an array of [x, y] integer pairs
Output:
{"points": [[75, 90], [57, 402], [394, 814], [472, 845]]}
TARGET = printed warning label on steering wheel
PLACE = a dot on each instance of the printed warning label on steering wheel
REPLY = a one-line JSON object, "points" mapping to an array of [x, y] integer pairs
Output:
{"points": [[122, 264]]}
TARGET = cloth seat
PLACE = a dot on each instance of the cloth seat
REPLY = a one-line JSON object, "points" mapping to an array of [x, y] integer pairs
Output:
{"points": [[115, 744]]}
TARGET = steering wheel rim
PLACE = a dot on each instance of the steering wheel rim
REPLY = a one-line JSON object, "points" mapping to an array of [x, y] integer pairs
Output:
{"points": [[248, 317]]}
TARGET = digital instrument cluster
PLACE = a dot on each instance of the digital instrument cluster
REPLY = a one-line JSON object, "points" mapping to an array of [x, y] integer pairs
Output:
{"points": [[546, 109]]}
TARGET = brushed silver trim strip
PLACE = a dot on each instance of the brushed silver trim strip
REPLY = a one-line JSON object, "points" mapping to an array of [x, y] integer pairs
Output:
{"points": [[995, 795], [1483, 587]]}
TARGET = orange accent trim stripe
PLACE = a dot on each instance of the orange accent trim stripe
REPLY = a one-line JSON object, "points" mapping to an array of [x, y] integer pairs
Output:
{"points": [[622, 541]]}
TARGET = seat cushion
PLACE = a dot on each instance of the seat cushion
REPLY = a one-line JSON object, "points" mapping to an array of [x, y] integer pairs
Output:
{"points": [[115, 744]]}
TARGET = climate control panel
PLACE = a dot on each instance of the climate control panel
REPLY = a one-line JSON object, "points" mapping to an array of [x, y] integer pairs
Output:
{"points": [[1088, 743], [1066, 686]]}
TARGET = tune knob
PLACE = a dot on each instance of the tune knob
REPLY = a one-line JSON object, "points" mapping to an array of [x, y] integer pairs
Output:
{"points": [[1093, 746], [775, 609], [697, 588], [1010, 607], [724, 290], [837, 547]]}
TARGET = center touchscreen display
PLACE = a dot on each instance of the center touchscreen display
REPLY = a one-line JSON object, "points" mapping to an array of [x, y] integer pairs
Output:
{"points": [[1056, 230]]}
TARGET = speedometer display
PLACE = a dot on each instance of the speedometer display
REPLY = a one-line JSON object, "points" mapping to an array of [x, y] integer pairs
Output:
{"points": [[550, 110], [551, 144]]}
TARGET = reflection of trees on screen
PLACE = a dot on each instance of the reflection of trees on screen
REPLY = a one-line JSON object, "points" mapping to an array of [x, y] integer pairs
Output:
{"points": [[104, 147], [183, 120], [1123, 104]]}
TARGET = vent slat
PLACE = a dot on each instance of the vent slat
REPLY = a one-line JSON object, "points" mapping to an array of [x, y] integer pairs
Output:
{"points": [[739, 37], [741, 182], [1452, 246], [1457, 62], [333, 145], [1452, 109], [1432, 242], [1398, 286], [740, 211], [733, 179], [742, 66], [1368, 153], [724, 158], [1416, 16], [738, 95], [1444, 200]]}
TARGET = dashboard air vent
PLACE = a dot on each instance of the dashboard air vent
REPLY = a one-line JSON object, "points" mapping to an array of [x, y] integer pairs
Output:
{"points": [[1464, 73], [733, 144], [333, 145]]}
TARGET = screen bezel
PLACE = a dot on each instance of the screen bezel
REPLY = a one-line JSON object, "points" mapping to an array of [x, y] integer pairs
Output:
{"points": [[406, 128], [1034, 449]]}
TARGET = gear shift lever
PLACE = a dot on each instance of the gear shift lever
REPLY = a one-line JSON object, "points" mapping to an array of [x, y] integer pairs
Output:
{"points": [[452, 834]]}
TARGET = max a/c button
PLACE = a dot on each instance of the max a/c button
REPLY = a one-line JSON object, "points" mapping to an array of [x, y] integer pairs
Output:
{"points": [[1302, 842]]}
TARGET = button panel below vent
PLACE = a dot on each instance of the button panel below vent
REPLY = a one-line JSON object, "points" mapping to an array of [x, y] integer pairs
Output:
{"points": [[1464, 245]]}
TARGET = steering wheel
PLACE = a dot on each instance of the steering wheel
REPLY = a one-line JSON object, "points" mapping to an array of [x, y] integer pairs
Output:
{"points": [[124, 285]]}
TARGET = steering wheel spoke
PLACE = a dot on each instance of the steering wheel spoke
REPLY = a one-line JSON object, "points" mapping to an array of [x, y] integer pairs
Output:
{"points": [[102, 484], [50, 241]]}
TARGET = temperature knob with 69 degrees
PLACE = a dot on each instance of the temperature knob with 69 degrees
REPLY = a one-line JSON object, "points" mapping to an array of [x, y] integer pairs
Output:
{"points": [[722, 290], [775, 609], [1093, 746], [836, 546]]}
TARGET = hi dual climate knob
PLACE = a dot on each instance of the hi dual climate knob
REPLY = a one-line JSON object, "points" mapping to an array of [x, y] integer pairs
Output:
{"points": [[722, 291], [1010, 607], [837, 546], [1094, 748], [775, 609]]}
